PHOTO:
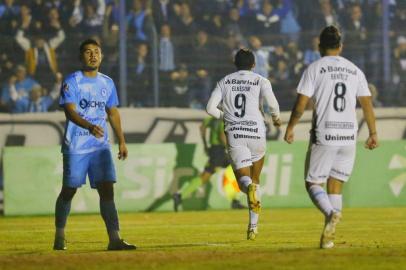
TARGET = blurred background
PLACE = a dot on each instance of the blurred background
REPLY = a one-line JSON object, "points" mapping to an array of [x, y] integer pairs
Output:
{"points": [[171, 53]]}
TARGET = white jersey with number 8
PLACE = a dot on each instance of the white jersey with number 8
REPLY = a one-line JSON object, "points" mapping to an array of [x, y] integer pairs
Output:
{"points": [[334, 83]]}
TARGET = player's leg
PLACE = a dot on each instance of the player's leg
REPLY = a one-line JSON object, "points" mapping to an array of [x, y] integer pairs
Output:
{"points": [[102, 176], [74, 176], [254, 196], [339, 174], [319, 161], [62, 210], [187, 189], [334, 191]]}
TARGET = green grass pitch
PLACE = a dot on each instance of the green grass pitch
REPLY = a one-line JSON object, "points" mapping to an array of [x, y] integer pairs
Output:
{"points": [[370, 238]]}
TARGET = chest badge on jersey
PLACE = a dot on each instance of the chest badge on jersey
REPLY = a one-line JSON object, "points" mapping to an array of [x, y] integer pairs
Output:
{"points": [[104, 92]]}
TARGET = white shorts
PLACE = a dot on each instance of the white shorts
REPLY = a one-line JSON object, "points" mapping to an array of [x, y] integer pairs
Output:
{"points": [[324, 161], [245, 149]]}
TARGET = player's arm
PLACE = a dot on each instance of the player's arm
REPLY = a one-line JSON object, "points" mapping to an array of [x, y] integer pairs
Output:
{"points": [[270, 99], [297, 112], [115, 122], [367, 108], [73, 116], [213, 103]]}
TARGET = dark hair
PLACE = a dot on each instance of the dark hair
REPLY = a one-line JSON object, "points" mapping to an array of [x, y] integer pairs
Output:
{"points": [[87, 42], [244, 59], [330, 38]]}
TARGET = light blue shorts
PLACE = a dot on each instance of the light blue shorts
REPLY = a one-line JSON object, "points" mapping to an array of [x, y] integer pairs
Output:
{"points": [[97, 165]]}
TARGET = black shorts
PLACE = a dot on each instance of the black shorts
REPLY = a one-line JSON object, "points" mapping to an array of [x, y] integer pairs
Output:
{"points": [[217, 158]]}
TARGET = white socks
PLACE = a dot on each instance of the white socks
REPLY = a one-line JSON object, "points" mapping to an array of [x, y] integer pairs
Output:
{"points": [[336, 201], [320, 199], [244, 182]]}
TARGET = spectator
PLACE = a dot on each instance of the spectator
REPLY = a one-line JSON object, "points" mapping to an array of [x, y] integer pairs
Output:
{"points": [[6, 64], [15, 94], [356, 37], [186, 29], [234, 25], [180, 88], [267, 22], [399, 72], [201, 64], [261, 57], [399, 21], [166, 50], [93, 16], [9, 13], [39, 11], [40, 54], [139, 21], [312, 54], [325, 17], [295, 56], [139, 76], [288, 22], [162, 11], [216, 26]]}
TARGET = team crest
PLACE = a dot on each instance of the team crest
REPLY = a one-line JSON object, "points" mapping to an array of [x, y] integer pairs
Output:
{"points": [[104, 92]]}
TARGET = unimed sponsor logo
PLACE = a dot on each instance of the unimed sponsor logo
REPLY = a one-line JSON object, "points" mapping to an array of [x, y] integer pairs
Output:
{"points": [[330, 137]]}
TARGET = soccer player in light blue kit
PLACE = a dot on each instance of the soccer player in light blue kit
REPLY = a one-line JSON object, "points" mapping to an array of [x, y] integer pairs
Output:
{"points": [[88, 97]]}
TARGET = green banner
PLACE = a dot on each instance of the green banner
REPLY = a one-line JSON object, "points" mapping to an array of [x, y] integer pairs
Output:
{"points": [[152, 173]]}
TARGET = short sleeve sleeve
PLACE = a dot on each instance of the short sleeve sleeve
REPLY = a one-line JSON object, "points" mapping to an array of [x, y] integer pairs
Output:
{"points": [[363, 89], [68, 92], [113, 98], [306, 86]]}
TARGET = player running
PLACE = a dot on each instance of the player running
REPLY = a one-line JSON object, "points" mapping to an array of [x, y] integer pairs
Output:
{"points": [[218, 158], [334, 84], [87, 97], [241, 94]]}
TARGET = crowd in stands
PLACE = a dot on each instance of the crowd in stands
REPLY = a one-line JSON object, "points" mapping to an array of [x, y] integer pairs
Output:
{"points": [[196, 40]]}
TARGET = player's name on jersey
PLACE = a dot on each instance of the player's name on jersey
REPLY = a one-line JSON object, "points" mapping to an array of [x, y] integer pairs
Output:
{"points": [[246, 82], [242, 88], [330, 137], [338, 69]]}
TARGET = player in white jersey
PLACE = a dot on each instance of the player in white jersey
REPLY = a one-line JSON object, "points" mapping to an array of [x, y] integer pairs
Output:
{"points": [[241, 94], [334, 84]]}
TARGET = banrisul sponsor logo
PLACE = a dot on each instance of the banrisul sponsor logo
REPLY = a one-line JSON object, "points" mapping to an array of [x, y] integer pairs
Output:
{"points": [[84, 103], [245, 82]]}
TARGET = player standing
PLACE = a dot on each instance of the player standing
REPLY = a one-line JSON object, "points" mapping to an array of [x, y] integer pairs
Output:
{"points": [[87, 97], [241, 94], [217, 158], [334, 84]]}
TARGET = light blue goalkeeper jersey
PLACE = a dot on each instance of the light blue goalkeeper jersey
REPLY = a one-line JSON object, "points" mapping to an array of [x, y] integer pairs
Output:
{"points": [[91, 96]]}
